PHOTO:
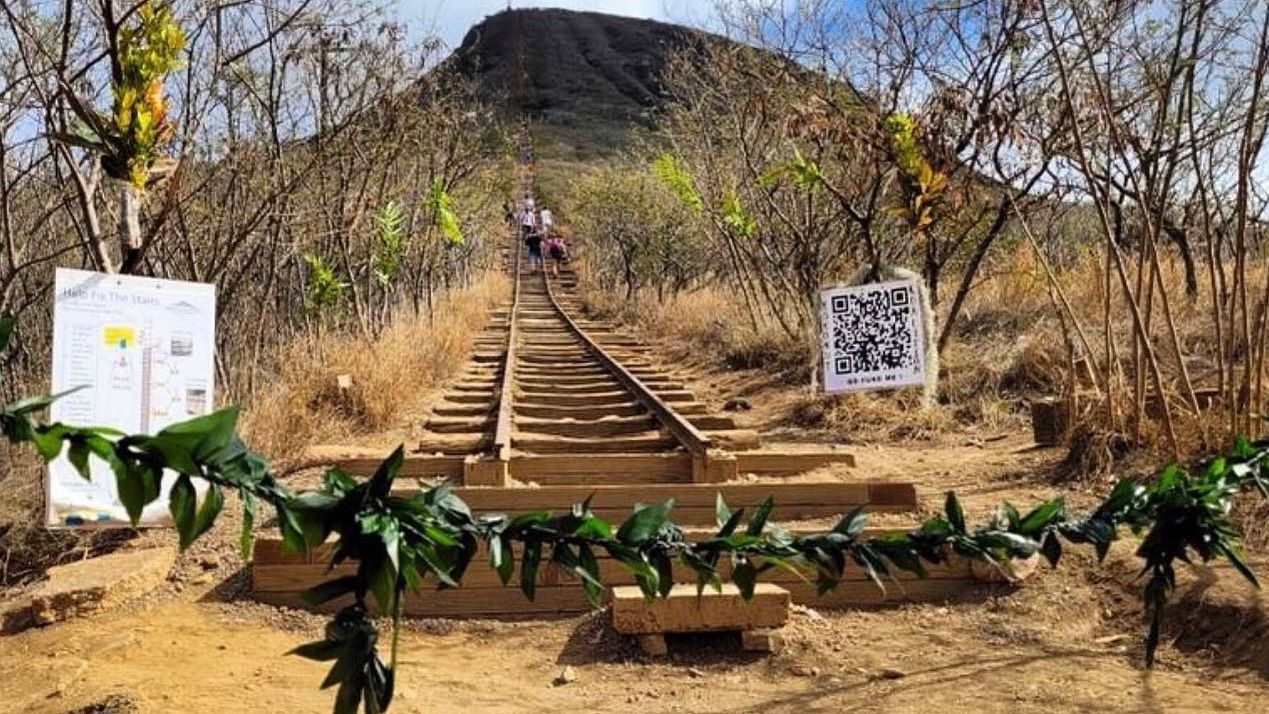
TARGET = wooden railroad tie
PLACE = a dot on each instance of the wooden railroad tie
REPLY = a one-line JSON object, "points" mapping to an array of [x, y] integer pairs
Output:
{"points": [[279, 576], [560, 469]]}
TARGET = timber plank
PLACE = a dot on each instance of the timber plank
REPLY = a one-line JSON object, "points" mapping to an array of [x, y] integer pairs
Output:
{"points": [[286, 574], [614, 464], [569, 598], [413, 466]]}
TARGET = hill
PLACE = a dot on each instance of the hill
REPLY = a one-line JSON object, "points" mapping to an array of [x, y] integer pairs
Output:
{"points": [[584, 78]]}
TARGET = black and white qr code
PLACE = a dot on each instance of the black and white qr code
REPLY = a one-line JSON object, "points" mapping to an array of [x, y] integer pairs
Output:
{"points": [[872, 336]]}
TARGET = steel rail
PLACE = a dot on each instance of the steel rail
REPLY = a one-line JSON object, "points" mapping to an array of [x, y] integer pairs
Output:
{"points": [[692, 439], [502, 433]]}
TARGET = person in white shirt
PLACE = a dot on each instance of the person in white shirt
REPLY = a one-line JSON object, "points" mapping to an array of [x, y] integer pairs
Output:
{"points": [[548, 221], [526, 221]]}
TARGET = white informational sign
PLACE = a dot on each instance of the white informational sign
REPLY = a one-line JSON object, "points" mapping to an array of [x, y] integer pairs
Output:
{"points": [[142, 351], [873, 336]]}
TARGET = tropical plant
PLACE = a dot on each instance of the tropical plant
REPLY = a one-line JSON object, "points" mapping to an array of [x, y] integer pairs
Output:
{"points": [[389, 245], [324, 288], [735, 215], [131, 139], [922, 185], [804, 173], [441, 207], [679, 180]]}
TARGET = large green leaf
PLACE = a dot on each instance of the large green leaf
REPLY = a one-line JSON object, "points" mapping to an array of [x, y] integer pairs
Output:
{"points": [[181, 504], [320, 651], [1041, 517], [646, 520], [760, 516], [381, 482], [529, 568], [138, 485], [954, 513], [213, 502]]}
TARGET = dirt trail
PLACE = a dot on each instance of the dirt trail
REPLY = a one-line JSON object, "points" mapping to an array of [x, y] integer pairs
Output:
{"points": [[1040, 649], [1068, 641]]}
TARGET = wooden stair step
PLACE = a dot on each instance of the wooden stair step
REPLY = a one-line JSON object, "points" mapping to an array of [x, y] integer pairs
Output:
{"points": [[642, 441]]}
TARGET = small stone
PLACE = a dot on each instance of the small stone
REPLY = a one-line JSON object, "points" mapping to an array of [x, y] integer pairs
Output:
{"points": [[808, 612], [891, 673], [694, 672], [801, 670], [210, 561], [737, 405], [568, 675]]}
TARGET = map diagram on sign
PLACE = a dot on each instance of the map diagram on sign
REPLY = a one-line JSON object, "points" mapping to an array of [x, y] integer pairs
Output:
{"points": [[140, 353]]}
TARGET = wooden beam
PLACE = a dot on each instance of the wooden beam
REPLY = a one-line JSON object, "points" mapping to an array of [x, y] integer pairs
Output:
{"points": [[694, 502]]}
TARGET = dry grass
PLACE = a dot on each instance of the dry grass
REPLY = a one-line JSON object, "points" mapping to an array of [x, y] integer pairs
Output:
{"points": [[712, 322], [389, 375], [1010, 345]]}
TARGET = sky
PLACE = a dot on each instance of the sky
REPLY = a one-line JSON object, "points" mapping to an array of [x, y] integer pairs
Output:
{"points": [[452, 18]]}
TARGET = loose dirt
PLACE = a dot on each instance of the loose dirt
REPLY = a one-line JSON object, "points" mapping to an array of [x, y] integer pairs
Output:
{"points": [[1069, 640]]}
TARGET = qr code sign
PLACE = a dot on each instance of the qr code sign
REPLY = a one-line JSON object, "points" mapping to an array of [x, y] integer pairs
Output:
{"points": [[873, 336]]}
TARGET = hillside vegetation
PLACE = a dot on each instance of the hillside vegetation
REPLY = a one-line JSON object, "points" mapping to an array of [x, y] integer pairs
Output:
{"points": [[585, 80]]}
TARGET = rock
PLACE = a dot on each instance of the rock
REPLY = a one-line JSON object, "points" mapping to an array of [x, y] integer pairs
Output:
{"points": [[890, 673], [808, 612], [210, 561], [115, 704], [1014, 571], [694, 672], [568, 675], [90, 585], [802, 670], [737, 405]]}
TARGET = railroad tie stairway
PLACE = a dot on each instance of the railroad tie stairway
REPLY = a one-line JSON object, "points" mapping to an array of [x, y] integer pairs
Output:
{"points": [[552, 410]]}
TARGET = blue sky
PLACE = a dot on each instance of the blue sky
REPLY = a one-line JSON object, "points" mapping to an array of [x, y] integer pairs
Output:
{"points": [[452, 18]]}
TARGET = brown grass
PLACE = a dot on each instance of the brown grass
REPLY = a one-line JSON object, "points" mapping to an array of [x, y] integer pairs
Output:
{"points": [[389, 375], [1008, 347], [712, 322]]}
